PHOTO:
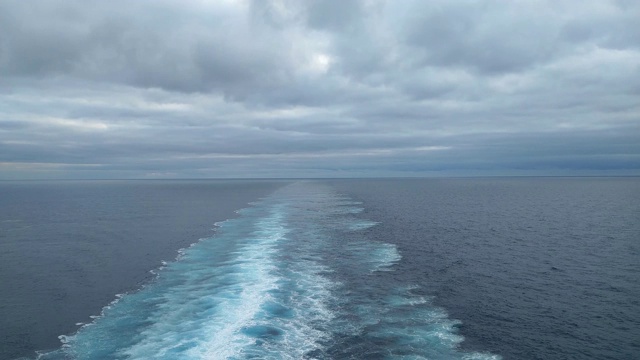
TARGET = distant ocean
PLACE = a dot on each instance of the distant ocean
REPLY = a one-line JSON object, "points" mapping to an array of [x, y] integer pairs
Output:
{"points": [[478, 268]]}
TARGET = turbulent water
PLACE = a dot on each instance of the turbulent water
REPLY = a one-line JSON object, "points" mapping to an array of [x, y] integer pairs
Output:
{"points": [[294, 276], [535, 268], [327, 269]]}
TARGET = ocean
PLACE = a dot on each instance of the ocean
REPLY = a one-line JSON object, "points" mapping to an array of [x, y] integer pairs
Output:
{"points": [[477, 268]]}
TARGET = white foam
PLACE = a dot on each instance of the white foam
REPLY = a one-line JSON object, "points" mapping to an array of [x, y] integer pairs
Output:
{"points": [[206, 305], [361, 225], [232, 306], [481, 356], [376, 256], [387, 255], [219, 224]]}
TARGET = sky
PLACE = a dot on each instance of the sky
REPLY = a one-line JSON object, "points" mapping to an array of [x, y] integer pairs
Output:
{"points": [[155, 89]]}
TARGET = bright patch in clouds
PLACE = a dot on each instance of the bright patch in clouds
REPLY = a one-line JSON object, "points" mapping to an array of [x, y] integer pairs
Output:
{"points": [[321, 63]]}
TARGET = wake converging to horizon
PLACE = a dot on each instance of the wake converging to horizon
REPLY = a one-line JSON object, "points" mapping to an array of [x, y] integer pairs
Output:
{"points": [[294, 276], [320, 269]]}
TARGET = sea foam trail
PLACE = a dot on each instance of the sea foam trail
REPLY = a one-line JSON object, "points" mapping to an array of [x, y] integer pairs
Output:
{"points": [[294, 276], [221, 312]]}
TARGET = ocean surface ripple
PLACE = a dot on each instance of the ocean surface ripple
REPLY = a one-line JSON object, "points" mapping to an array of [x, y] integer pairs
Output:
{"points": [[295, 276]]}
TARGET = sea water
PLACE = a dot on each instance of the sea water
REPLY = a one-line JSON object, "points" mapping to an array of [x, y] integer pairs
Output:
{"points": [[294, 276], [68, 247], [393, 269], [533, 268]]}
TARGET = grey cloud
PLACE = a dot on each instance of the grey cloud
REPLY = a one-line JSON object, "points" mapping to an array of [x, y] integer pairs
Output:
{"points": [[470, 36], [334, 15], [318, 88], [493, 37], [145, 44]]}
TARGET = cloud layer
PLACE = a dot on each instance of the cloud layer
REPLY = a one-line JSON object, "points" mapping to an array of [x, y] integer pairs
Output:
{"points": [[283, 88]]}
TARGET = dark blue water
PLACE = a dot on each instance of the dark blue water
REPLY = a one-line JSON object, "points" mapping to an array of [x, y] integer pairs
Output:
{"points": [[354, 269], [535, 268], [67, 247]]}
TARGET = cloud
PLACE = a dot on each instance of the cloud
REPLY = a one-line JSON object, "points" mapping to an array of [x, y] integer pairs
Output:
{"points": [[319, 88]]}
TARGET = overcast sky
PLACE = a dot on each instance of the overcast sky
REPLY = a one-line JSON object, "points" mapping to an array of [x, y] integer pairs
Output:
{"points": [[334, 88]]}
